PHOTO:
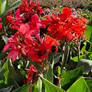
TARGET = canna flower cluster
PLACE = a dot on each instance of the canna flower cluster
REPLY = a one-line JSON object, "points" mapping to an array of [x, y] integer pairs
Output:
{"points": [[64, 26], [28, 40], [23, 13]]}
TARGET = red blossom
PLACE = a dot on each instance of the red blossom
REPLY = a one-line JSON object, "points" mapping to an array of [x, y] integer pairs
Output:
{"points": [[39, 9], [27, 41], [16, 45], [66, 12], [64, 26], [40, 48], [13, 54], [31, 72]]}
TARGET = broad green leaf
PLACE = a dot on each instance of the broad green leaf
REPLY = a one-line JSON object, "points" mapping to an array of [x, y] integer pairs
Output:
{"points": [[89, 82], [23, 89], [88, 32], [8, 76], [4, 74], [67, 78], [90, 21], [49, 87], [37, 87], [3, 5], [79, 86], [90, 42], [12, 7]]}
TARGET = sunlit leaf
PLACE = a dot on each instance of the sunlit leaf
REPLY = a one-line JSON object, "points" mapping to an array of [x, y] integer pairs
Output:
{"points": [[79, 86]]}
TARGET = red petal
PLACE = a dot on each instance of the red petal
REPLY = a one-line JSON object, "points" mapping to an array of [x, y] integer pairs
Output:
{"points": [[13, 54], [66, 11]]}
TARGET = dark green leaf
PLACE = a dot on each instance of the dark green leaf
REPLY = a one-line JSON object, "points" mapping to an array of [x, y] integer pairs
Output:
{"points": [[23, 89], [8, 76], [87, 64], [67, 78], [89, 82]]}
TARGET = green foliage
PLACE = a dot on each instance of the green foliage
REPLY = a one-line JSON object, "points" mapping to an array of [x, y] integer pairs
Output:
{"points": [[49, 73], [8, 76], [3, 5], [10, 8], [88, 32], [23, 89], [87, 64], [89, 82], [37, 87], [49, 87], [79, 86], [67, 78]]}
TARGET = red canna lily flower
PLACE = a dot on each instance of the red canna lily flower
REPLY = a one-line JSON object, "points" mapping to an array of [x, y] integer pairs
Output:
{"points": [[66, 12]]}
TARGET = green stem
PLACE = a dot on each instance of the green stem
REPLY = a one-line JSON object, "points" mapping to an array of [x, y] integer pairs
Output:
{"points": [[65, 56], [78, 51]]}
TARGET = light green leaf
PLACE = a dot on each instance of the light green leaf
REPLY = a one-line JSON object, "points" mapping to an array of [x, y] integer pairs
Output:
{"points": [[12, 7], [37, 87], [88, 32], [75, 59], [4, 74], [3, 6], [79, 86]]}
